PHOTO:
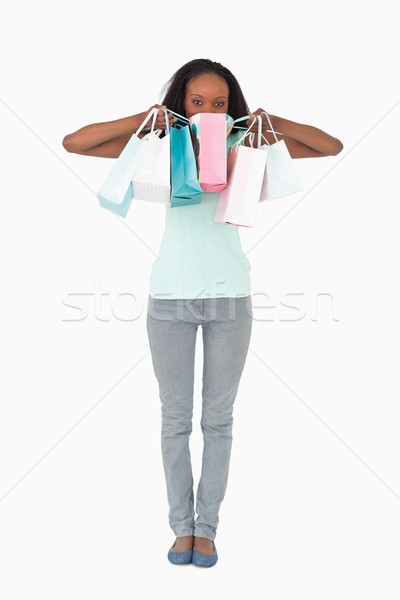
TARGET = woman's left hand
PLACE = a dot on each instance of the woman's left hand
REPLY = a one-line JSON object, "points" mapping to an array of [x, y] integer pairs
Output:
{"points": [[265, 125]]}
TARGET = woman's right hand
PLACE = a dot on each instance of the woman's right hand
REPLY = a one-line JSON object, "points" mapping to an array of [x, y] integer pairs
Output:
{"points": [[160, 120]]}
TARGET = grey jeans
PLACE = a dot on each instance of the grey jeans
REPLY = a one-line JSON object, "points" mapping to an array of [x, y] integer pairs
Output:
{"points": [[172, 329]]}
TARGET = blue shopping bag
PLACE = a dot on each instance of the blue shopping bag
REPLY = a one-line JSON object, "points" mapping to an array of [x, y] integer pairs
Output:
{"points": [[185, 186], [116, 191]]}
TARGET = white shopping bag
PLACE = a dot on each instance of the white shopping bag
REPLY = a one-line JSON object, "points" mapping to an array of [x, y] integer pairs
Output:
{"points": [[238, 202], [264, 195], [281, 178], [152, 178], [116, 193]]}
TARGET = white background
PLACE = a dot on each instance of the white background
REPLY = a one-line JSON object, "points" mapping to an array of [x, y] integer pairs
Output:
{"points": [[313, 500]]}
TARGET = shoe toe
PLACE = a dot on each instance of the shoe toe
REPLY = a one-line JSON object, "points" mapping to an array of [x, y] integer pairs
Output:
{"points": [[180, 557], [205, 560]]}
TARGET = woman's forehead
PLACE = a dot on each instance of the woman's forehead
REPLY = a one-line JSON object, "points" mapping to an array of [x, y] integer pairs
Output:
{"points": [[206, 82]]}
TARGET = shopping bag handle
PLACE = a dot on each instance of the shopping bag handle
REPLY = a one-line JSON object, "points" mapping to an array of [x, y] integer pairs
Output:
{"points": [[248, 133], [184, 119], [157, 132], [152, 112], [240, 119], [270, 124], [262, 135], [252, 139], [167, 130]]}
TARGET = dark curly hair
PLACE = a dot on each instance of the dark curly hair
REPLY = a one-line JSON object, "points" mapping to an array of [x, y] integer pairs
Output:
{"points": [[174, 90]]}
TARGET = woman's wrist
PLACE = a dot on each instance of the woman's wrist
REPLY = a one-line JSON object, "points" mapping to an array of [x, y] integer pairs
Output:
{"points": [[275, 122], [137, 120]]}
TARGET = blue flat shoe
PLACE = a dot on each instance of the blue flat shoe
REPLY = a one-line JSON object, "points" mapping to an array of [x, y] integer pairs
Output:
{"points": [[180, 558], [205, 560]]}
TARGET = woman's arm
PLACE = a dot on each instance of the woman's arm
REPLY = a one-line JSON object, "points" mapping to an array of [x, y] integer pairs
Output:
{"points": [[108, 139], [302, 141]]}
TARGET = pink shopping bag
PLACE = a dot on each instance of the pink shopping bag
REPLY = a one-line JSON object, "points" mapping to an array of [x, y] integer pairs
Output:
{"points": [[239, 200], [210, 131]]}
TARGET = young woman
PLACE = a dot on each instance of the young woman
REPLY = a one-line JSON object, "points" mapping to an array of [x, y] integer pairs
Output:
{"points": [[200, 278]]}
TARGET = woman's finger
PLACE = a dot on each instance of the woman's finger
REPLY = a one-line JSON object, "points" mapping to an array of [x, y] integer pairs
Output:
{"points": [[252, 121], [253, 117], [172, 119], [160, 120], [162, 123]]}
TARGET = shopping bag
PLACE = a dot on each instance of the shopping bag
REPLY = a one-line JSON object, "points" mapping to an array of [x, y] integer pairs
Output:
{"points": [[185, 186], [281, 178], [116, 193], [239, 200], [264, 195], [210, 131], [152, 178]]}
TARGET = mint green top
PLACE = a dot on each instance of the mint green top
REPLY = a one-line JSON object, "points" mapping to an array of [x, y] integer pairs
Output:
{"points": [[199, 257]]}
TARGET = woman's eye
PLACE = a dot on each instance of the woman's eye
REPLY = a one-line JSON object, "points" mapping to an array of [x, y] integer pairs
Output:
{"points": [[220, 103]]}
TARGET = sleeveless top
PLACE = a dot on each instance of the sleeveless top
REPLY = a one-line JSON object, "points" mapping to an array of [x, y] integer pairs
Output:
{"points": [[199, 257]]}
